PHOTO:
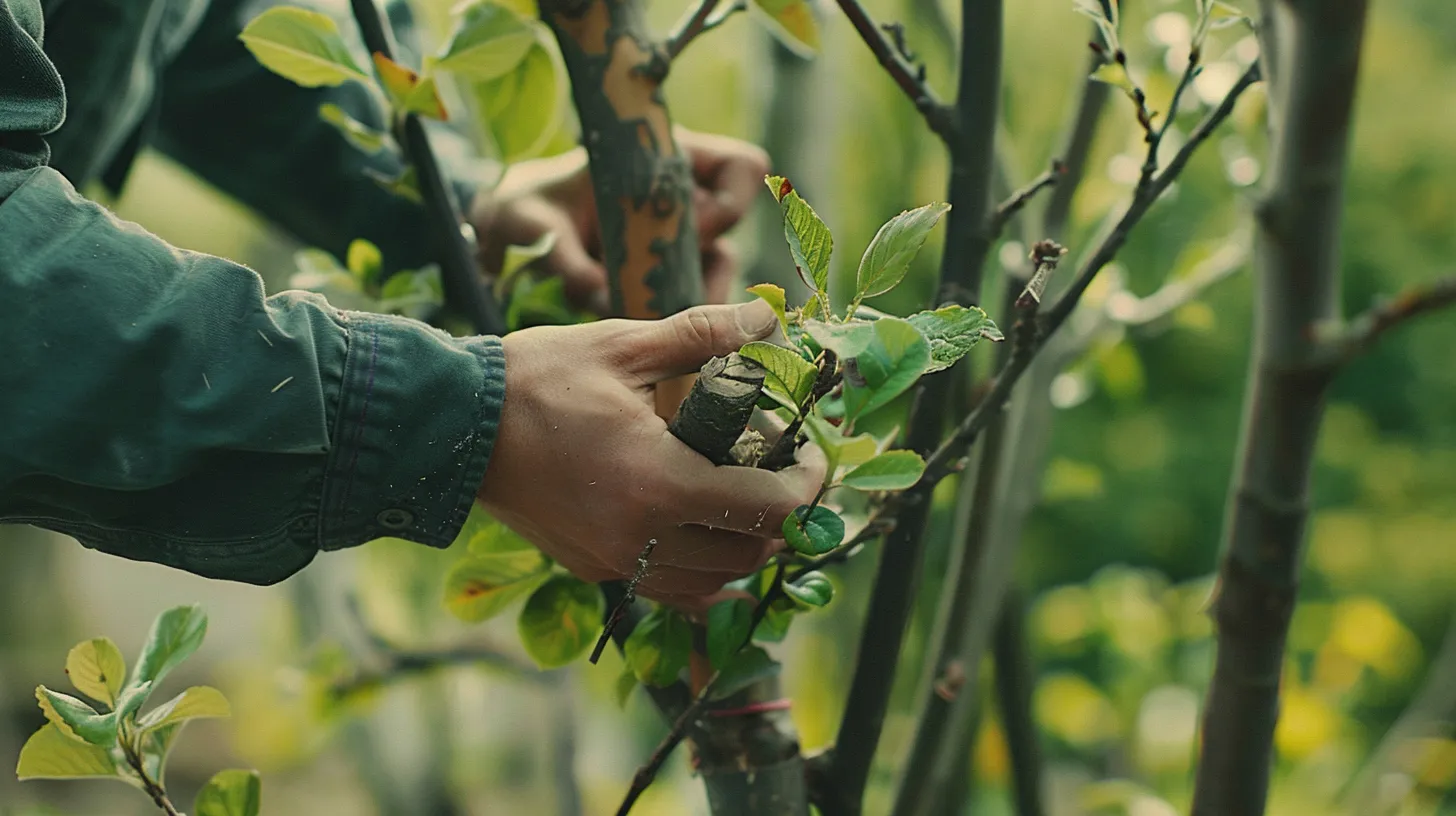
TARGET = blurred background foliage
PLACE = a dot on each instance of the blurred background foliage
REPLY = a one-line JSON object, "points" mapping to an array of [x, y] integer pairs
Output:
{"points": [[1117, 557]]}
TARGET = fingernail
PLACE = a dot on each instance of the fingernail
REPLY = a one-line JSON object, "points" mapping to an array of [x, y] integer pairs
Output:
{"points": [[756, 318]]}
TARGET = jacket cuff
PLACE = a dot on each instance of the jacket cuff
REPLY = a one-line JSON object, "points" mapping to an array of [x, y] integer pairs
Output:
{"points": [[417, 419]]}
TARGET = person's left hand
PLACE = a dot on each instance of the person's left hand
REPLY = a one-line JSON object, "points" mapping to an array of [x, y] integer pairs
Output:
{"points": [[555, 195]]}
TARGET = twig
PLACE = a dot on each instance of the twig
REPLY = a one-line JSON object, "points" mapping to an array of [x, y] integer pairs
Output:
{"points": [[1020, 198], [459, 267], [939, 116], [1368, 327], [699, 21], [399, 665], [1155, 135], [149, 785], [1129, 310], [648, 772], [621, 607]]}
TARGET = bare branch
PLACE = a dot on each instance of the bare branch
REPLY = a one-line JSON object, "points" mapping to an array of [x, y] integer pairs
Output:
{"points": [[1012, 205], [911, 79], [1130, 310], [699, 21], [675, 735], [1365, 329]]}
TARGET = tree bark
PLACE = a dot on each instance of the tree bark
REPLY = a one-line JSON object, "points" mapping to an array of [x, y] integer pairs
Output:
{"points": [[1311, 90]]}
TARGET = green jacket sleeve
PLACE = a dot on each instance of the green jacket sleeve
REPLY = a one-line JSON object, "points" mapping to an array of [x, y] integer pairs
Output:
{"points": [[157, 406], [259, 138]]}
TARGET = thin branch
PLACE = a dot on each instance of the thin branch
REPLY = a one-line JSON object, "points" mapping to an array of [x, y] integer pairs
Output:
{"points": [[1008, 208], [152, 788], [1015, 679], [699, 21], [911, 79], [1155, 135], [459, 264], [1369, 326], [675, 735], [1130, 310], [401, 665], [628, 598]]}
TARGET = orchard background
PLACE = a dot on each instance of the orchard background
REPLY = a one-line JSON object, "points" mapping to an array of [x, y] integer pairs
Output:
{"points": [[1115, 570]]}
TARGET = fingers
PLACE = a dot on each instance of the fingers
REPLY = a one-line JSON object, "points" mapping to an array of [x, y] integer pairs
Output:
{"points": [[729, 173], [661, 349], [747, 500]]}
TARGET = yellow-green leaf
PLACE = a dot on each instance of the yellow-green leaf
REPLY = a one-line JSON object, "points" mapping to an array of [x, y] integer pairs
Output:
{"points": [[519, 258], [1113, 73], [891, 470], [97, 669], [488, 42], [792, 23], [230, 793], [480, 587], [302, 46], [658, 648], [357, 133], [840, 450], [560, 621], [74, 718], [175, 635], [50, 754], [521, 110], [195, 703], [774, 296], [788, 373]]}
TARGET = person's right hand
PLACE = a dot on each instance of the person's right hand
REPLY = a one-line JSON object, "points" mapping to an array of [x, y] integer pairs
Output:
{"points": [[585, 469]]}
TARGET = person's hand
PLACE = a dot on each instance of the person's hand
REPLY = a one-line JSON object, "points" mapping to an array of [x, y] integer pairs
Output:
{"points": [[555, 195], [586, 470]]}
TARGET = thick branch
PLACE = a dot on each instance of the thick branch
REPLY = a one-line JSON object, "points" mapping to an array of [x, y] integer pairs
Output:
{"points": [[465, 291], [940, 117], [1297, 270], [1015, 681]]}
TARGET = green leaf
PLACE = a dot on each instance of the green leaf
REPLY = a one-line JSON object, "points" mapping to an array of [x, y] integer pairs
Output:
{"points": [[953, 331], [891, 364], [175, 635], [484, 535], [816, 534], [812, 589], [357, 133], [888, 257], [131, 700], [75, 718], [413, 293], [891, 470], [839, 450], [792, 23], [728, 625], [480, 587], [97, 669], [560, 621], [788, 373], [408, 91], [626, 684], [848, 340], [748, 667], [519, 258], [809, 240], [488, 42], [196, 703], [775, 625], [302, 46], [406, 184], [1114, 74], [520, 111], [230, 793], [364, 261], [774, 296], [657, 650], [156, 745], [50, 754]]}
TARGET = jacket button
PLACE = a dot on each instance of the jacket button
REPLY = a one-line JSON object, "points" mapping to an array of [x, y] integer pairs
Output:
{"points": [[395, 519]]}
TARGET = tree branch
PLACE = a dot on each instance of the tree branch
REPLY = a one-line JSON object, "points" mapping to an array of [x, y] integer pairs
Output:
{"points": [[465, 291], [675, 735], [1020, 198], [940, 117], [1015, 681], [699, 21], [1365, 329]]}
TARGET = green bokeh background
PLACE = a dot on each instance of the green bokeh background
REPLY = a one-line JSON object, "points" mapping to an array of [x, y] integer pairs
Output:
{"points": [[1116, 557]]}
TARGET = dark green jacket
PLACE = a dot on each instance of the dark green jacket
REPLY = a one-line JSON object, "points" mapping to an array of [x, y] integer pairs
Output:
{"points": [[153, 402]]}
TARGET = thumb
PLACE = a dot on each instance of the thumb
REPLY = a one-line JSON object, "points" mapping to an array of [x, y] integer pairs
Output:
{"points": [[682, 343]]}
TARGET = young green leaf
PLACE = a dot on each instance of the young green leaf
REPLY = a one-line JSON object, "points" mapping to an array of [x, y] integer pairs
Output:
{"points": [[809, 240], [891, 470], [728, 626], [230, 793], [519, 258], [816, 533], [488, 42], [747, 667], [774, 296], [75, 718], [175, 635], [521, 110], [406, 184], [812, 589], [50, 754], [483, 535], [97, 669], [560, 621], [302, 46], [848, 340], [1114, 74], [891, 364], [198, 702], [888, 257], [408, 92], [480, 587], [788, 373], [839, 450], [792, 23], [657, 650], [357, 133], [775, 625], [952, 332]]}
